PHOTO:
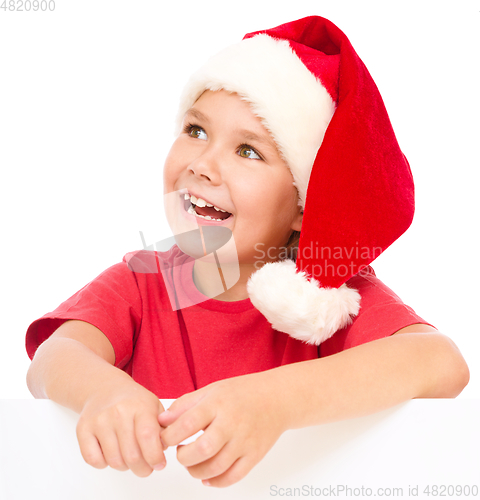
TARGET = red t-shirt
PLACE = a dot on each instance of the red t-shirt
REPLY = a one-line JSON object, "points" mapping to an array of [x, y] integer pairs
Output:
{"points": [[171, 352]]}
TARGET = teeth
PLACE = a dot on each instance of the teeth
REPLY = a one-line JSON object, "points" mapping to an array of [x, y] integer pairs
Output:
{"points": [[199, 202], [191, 211]]}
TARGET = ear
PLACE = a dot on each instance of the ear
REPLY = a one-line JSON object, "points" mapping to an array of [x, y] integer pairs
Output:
{"points": [[297, 222]]}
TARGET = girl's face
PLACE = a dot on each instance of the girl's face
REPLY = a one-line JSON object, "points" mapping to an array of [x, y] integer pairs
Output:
{"points": [[226, 158]]}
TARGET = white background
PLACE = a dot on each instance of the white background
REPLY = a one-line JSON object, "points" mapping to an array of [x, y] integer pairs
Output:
{"points": [[88, 94]]}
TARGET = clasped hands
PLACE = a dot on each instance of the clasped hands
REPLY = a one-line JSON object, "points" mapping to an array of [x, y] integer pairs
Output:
{"points": [[241, 418]]}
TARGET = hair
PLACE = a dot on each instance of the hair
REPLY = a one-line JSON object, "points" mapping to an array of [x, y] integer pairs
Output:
{"points": [[292, 246]]}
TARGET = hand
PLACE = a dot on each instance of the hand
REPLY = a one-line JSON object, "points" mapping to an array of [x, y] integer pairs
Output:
{"points": [[119, 427], [241, 418]]}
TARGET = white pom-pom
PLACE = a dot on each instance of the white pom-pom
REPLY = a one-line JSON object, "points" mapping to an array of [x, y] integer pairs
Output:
{"points": [[299, 306]]}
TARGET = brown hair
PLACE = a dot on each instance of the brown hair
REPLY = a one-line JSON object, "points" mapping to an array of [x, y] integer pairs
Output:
{"points": [[292, 245]]}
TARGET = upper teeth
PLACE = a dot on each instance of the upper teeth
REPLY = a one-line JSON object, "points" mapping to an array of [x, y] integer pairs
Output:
{"points": [[201, 203]]}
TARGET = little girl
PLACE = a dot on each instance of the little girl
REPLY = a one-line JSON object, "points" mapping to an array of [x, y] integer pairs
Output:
{"points": [[284, 183]]}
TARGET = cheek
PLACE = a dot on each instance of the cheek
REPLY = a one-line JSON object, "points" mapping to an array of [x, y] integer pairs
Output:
{"points": [[280, 197], [272, 203], [172, 167]]}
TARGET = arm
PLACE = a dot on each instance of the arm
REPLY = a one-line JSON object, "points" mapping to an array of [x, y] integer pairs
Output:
{"points": [[118, 423], [416, 362]]}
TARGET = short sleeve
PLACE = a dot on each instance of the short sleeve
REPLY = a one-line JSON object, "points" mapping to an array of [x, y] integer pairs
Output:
{"points": [[382, 313], [111, 302]]}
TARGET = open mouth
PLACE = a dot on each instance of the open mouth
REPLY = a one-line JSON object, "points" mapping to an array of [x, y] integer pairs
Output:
{"points": [[203, 209]]}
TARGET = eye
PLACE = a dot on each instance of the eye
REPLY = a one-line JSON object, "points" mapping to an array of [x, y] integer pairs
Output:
{"points": [[196, 132], [246, 151]]}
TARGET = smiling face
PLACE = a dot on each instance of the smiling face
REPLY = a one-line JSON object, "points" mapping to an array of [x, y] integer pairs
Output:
{"points": [[225, 157]]}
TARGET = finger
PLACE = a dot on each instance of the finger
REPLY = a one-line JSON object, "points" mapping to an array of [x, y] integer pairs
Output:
{"points": [[216, 465], [131, 452], [239, 469], [147, 431], [206, 446], [90, 449], [110, 446], [178, 407], [186, 425]]}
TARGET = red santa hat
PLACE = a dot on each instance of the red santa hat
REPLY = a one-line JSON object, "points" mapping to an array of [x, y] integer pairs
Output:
{"points": [[313, 93]]}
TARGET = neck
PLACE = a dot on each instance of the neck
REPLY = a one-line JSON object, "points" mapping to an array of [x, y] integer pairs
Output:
{"points": [[212, 282]]}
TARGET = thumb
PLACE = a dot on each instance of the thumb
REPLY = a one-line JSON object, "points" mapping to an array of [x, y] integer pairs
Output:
{"points": [[178, 407]]}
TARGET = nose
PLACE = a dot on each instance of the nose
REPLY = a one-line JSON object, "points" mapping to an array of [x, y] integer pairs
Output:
{"points": [[207, 167]]}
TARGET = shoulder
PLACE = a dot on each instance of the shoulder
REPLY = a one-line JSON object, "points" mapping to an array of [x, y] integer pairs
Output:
{"points": [[382, 313]]}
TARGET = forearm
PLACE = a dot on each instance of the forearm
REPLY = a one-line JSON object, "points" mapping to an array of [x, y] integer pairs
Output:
{"points": [[68, 372], [370, 378]]}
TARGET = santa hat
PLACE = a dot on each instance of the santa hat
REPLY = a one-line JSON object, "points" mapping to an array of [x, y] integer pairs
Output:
{"points": [[312, 92]]}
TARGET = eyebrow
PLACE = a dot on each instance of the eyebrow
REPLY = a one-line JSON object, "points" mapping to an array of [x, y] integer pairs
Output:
{"points": [[248, 135], [197, 114]]}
